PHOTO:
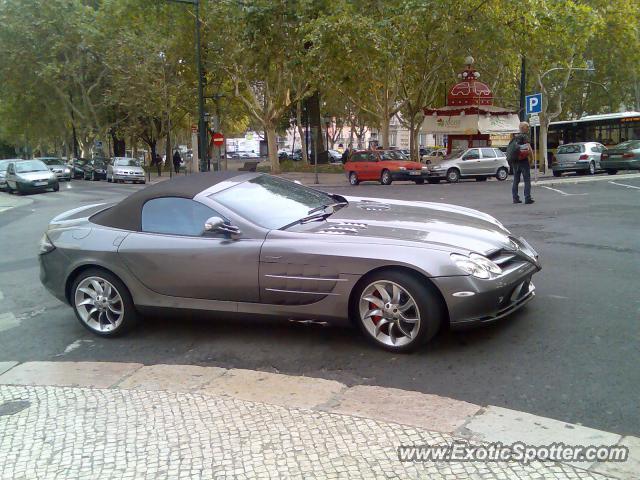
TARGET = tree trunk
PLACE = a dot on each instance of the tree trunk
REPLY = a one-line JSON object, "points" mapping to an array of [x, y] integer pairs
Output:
{"points": [[272, 147], [85, 147], [119, 146], [384, 132], [303, 138], [542, 147]]}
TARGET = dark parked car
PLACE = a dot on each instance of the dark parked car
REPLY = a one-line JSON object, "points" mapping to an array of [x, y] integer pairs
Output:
{"points": [[95, 169], [624, 156], [257, 244], [76, 165]]}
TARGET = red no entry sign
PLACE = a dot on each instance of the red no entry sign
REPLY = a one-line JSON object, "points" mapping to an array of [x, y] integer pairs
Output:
{"points": [[218, 139]]}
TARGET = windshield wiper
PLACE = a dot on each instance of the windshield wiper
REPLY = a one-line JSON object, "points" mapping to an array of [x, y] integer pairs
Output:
{"points": [[318, 213]]}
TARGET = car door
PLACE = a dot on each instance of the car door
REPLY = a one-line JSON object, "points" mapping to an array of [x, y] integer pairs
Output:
{"points": [[470, 162], [172, 256], [488, 162], [374, 166], [11, 176]]}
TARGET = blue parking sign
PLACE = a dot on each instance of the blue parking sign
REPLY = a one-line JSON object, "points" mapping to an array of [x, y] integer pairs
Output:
{"points": [[533, 103]]}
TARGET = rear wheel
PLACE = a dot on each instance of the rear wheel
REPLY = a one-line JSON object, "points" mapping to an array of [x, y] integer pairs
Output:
{"points": [[385, 177], [453, 175], [592, 168], [353, 178], [102, 303], [556, 173], [502, 174], [396, 311], [612, 171]]}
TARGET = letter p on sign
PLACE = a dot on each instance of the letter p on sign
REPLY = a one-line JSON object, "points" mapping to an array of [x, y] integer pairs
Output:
{"points": [[533, 104]]}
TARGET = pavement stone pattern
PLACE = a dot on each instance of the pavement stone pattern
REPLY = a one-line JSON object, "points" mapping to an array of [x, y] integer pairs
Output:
{"points": [[51, 432]]}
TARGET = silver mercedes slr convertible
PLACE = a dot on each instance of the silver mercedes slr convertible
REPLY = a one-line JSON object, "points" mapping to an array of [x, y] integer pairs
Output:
{"points": [[252, 243]]}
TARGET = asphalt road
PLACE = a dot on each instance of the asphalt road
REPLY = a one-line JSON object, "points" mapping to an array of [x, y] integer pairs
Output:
{"points": [[571, 354]]}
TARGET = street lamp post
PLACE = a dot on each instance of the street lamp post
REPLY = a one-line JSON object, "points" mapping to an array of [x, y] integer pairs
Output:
{"points": [[203, 151]]}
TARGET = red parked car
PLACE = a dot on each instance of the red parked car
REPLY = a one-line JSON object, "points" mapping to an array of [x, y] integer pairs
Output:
{"points": [[383, 166]]}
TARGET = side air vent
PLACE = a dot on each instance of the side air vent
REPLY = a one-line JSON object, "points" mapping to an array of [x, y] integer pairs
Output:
{"points": [[373, 206]]}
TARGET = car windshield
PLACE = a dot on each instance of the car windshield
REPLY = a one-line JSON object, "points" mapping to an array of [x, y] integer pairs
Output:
{"points": [[575, 148], [272, 202], [454, 154], [629, 145], [31, 166], [52, 161], [127, 162], [392, 155]]}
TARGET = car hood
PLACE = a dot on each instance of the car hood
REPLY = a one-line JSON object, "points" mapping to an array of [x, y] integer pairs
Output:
{"points": [[438, 225], [30, 176]]}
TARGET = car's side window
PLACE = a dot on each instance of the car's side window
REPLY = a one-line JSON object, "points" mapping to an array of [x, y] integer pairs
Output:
{"points": [[472, 154], [175, 216], [488, 153]]}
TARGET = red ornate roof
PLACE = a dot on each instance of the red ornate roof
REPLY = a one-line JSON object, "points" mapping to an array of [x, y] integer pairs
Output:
{"points": [[469, 91]]}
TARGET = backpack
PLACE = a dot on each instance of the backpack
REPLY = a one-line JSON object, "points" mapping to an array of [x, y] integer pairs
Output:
{"points": [[523, 151], [513, 153]]}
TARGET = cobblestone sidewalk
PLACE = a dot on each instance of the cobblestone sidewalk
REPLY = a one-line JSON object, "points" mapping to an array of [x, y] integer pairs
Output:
{"points": [[67, 433]]}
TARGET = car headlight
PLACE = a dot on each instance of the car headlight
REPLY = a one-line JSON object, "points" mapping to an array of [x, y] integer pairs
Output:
{"points": [[67, 170], [425, 168], [45, 245], [476, 265], [402, 168]]}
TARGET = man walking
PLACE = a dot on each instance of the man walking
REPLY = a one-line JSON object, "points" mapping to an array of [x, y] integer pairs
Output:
{"points": [[177, 160], [519, 154]]}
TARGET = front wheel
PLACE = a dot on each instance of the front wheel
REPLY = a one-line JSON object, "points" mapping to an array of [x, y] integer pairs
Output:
{"points": [[385, 177], [56, 187], [353, 178], [502, 174], [612, 171], [453, 175], [592, 168], [397, 311], [102, 303], [419, 181]]}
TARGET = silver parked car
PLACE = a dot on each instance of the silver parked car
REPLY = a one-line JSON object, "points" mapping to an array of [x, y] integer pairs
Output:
{"points": [[479, 163], [30, 176], [124, 169], [57, 166], [4, 164], [256, 244], [582, 157]]}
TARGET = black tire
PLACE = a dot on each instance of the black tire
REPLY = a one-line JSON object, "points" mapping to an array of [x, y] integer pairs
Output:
{"points": [[385, 177], [502, 174], [426, 297], [556, 173], [481, 179], [433, 181], [611, 171], [353, 178], [131, 317], [453, 175], [592, 168], [419, 181]]}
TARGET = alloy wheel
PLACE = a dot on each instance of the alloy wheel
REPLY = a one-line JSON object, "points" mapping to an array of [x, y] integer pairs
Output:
{"points": [[592, 168], [502, 174], [353, 178], [453, 176], [389, 313], [99, 304]]}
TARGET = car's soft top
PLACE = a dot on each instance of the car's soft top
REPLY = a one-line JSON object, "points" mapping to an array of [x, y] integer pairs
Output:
{"points": [[126, 214]]}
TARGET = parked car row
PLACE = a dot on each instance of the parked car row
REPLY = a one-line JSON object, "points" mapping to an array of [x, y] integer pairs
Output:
{"points": [[591, 157], [45, 173], [386, 166]]}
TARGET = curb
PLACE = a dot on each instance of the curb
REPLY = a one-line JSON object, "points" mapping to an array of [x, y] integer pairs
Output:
{"points": [[574, 180], [466, 421]]}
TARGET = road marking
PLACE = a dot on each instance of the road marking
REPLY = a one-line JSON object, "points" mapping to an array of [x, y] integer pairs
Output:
{"points": [[561, 192], [73, 346], [8, 321], [625, 185]]}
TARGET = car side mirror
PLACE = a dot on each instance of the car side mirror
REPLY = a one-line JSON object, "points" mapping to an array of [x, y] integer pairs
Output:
{"points": [[216, 225]]}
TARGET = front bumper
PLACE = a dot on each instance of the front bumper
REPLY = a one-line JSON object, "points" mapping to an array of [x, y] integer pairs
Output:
{"points": [[129, 177], [63, 176], [472, 301], [433, 174], [33, 187]]}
